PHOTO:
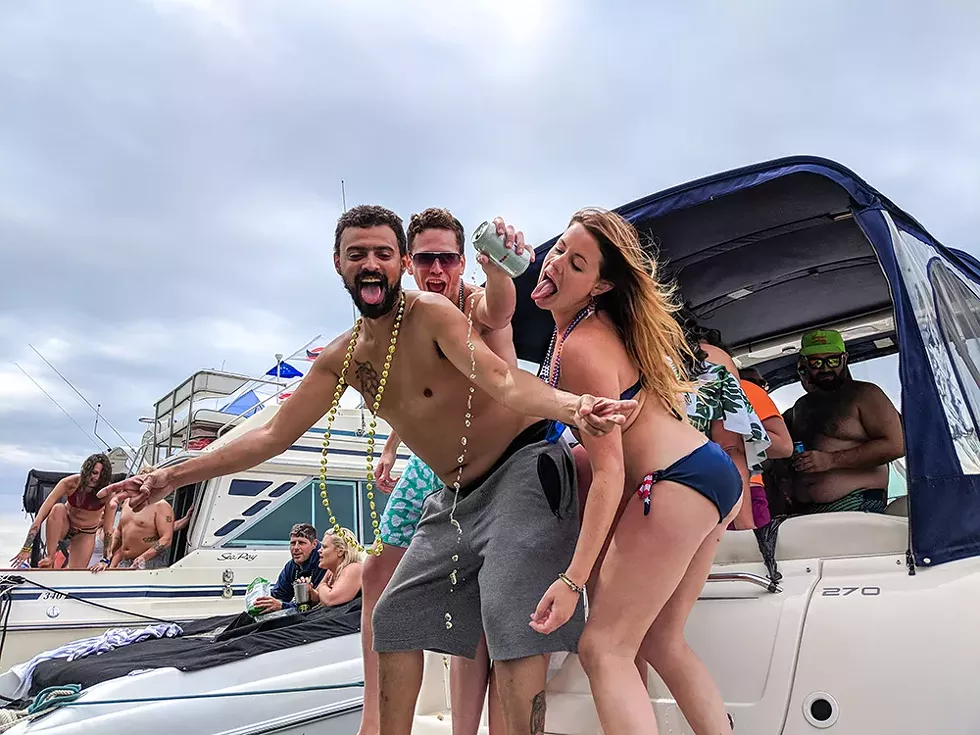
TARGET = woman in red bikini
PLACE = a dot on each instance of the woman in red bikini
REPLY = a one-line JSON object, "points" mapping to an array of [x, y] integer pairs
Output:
{"points": [[615, 334], [77, 519]]}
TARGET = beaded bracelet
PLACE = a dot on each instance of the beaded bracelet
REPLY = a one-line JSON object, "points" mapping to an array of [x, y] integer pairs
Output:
{"points": [[574, 587]]}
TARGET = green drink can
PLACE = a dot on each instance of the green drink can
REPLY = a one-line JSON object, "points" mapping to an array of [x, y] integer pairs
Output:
{"points": [[487, 241]]}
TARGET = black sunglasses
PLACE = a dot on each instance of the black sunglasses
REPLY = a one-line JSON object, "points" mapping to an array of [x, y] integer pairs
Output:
{"points": [[446, 259]]}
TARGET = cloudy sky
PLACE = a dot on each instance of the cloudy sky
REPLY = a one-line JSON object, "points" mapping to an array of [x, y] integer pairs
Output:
{"points": [[170, 169]]}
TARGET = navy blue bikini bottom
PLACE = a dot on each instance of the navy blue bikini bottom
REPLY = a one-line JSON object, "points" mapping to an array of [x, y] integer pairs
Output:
{"points": [[708, 470]]}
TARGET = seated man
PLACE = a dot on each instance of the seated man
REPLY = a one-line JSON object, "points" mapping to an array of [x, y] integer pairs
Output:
{"points": [[849, 429], [304, 548], [75, 520]]}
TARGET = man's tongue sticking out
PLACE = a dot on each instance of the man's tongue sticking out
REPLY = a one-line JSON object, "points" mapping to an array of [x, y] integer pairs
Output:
{"points": [[371, 291]]}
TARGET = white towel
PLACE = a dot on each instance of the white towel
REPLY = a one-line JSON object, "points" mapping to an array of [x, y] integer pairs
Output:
{"points": [[113, 638]]}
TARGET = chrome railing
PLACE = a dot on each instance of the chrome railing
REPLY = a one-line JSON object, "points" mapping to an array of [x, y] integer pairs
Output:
{"points": [[230, 424], [756, 579]]}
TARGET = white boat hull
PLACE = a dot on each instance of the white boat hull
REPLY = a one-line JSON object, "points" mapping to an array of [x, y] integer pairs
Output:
{"points": [[845, 627], [334, 711], [191, 589]]}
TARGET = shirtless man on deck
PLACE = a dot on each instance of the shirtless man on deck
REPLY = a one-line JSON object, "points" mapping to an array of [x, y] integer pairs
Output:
{"points": [[411, 360], [142, 537], [850, 432], [437, 260], [77, 519]]}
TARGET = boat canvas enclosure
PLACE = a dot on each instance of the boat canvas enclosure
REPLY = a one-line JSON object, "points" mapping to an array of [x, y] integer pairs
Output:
{"points": [[766, 252]]}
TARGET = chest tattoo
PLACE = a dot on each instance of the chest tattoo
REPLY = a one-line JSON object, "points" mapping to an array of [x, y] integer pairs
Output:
{"points": [[368, 377]]}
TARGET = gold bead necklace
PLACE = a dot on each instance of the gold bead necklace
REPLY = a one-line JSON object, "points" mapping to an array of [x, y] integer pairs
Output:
{"points": [[462, 452], [377, 547]]}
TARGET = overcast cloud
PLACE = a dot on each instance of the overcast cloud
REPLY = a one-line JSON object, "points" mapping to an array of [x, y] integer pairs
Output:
{"points": [[170, 170]]}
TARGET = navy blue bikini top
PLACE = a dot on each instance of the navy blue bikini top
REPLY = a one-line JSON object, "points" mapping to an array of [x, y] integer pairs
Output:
{"points": [[557, 428]]}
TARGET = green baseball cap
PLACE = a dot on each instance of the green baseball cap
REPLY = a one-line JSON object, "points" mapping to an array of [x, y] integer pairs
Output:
{"points": [[822, 342]]}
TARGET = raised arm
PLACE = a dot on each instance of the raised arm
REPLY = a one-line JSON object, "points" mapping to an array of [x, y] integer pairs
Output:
{"points": [[181, 524], [587, 369], [516, 389], [304, 408], [495, 307]]}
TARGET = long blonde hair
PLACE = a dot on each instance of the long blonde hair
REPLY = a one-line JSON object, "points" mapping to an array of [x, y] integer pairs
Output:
{"points": [[343, 542], [640, 306]]}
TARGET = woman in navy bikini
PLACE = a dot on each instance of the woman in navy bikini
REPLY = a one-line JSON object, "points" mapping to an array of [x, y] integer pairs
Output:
{"points": [[615, 334]]}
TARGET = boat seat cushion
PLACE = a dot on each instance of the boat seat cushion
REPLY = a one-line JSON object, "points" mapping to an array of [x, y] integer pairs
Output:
{"points": [[822, 536]]}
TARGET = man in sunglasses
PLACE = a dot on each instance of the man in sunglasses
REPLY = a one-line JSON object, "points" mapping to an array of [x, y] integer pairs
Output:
{"points": [[849, 429], [437, 260]]}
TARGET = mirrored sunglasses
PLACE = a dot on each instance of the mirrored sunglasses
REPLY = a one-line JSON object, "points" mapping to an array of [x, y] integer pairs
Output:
{"points": [[815, 363]]}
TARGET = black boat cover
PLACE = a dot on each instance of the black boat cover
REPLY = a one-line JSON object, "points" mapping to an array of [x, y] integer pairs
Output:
{"points": [[205, 643]]}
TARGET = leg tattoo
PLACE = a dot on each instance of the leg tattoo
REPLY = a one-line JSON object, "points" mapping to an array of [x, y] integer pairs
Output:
{"points": [[537, 714]]}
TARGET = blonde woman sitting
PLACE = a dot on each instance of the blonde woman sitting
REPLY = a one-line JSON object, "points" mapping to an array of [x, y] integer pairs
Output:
{"points": [[342, 562]]}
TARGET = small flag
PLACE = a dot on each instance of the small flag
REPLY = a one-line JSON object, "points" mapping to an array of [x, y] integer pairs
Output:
{"points": [[285, 371]]}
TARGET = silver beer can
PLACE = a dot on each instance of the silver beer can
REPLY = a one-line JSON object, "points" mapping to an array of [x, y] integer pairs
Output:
{"points": [[487, 241]]}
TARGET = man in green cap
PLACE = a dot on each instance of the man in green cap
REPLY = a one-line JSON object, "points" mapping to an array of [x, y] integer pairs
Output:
{"points": [[849, 429]]}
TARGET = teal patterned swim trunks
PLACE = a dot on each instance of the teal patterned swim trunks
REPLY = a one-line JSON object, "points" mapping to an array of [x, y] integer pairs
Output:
{"points": [[404, 508]]}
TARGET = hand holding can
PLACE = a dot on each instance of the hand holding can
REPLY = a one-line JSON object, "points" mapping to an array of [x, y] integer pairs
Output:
{"points": [[504, 246]]}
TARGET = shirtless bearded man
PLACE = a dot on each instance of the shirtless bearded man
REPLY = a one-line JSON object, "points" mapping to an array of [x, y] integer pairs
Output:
{"points": [[77, 519], [437, 260], [503, 498], [849, 429]]}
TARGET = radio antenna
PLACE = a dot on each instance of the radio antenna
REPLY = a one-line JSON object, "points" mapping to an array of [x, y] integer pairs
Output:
{"points": [[87, 435], [114, 431]]}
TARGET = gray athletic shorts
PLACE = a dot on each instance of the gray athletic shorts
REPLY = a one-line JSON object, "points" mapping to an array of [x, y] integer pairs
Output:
{"points": [[157, 562], [520, 524]]}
